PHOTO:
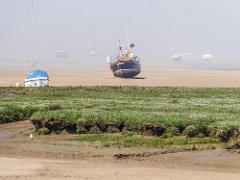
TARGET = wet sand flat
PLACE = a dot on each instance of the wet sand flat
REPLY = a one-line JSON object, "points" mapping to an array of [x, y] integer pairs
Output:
{"points": [[31, 168], [52, 157], [156, 78]]}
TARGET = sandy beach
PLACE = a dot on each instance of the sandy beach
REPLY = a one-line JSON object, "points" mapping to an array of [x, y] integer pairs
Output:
{"points": [[32, 168], [160, 78]]}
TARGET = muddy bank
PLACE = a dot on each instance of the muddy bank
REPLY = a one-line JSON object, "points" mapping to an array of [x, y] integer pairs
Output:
{"points": [[144, 129], [169, 151], [52, 157], [88, 127]]}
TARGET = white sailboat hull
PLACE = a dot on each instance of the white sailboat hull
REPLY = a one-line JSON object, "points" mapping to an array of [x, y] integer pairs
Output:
{"points": [[36, 83]]}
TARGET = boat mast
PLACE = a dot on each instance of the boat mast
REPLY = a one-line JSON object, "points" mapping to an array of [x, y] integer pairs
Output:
{"points": [[210, 40], [33, 36], [126, 31]]}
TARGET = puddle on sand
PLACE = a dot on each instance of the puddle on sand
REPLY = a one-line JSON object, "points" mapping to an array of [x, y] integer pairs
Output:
{"points": [[208, 155]]}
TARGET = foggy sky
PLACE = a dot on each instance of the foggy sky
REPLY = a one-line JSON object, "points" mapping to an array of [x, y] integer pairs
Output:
{"points": [[158, 28]]}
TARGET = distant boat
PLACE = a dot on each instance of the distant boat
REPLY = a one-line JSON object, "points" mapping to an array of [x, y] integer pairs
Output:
{"points": [[125, 64], [61, 54], [92, 52], [180, 56], [176, 57], [35, 78], [207, 57]]}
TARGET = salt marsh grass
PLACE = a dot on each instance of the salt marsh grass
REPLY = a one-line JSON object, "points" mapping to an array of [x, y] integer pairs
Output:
{"points": [[152, 111]]}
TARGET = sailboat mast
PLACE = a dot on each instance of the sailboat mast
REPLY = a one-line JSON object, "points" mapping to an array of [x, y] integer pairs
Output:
{"points": [[126, 31], [210, 40], [33, 36]]}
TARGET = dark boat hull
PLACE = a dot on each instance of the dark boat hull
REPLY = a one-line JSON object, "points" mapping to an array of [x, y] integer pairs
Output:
{"points": [[126, 69]]}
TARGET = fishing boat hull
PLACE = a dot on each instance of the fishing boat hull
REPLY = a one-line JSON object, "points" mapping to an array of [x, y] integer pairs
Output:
{"points": [[126, 69]]}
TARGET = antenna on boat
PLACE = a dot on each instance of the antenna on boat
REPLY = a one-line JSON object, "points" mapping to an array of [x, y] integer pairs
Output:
{"points": [[92, 51], [177, 56], [33, 36], [126, 31], [208, 56]]}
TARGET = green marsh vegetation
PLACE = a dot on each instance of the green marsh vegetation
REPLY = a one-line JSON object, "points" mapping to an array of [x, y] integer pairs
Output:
{"points": [[133, 140], [161, 112]]}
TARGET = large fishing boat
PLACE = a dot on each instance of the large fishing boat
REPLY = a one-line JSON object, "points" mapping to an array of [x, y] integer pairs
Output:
{"points": [[125, 64]]}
